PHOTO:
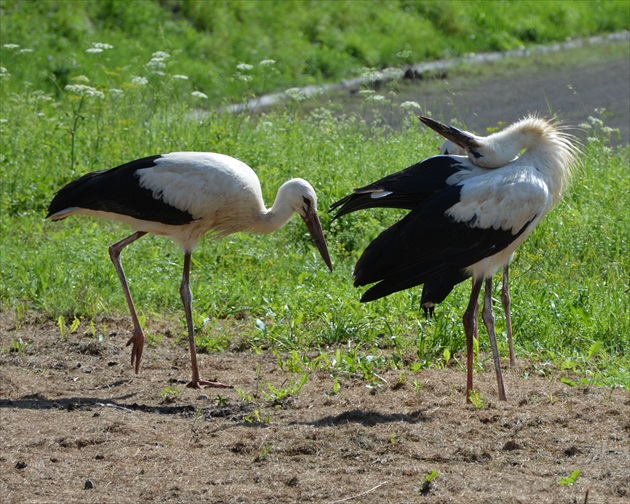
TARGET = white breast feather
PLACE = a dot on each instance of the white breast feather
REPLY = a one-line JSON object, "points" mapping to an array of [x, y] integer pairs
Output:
{"points": [[502, 199]]}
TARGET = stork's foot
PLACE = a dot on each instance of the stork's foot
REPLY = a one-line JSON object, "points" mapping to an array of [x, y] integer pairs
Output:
{"points": [[136, 351], [202, 384]]}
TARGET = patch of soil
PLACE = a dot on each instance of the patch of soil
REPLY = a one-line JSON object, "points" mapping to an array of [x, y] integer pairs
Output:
{"points": [[78, 426]]}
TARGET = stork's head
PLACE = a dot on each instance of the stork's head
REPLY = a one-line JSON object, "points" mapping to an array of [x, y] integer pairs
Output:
{"points": [[301, 198], [486, 152]]}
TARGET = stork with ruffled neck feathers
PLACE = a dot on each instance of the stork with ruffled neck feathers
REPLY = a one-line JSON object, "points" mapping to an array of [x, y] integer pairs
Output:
{"points": [[466, 213]]}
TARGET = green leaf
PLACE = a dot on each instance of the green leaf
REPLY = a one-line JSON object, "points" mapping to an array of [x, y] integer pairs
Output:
{"points": [[569, 382], [570, 480]]}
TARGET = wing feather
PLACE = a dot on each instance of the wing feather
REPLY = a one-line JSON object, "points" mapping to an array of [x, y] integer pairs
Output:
{"points": [[117, 191]]}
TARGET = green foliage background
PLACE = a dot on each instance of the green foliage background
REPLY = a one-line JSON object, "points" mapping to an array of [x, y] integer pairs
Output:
{"points": [[311, 41], [569, 280]]}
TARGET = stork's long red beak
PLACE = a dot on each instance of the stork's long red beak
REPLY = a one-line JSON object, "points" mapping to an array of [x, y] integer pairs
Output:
{"points": [[459, 137], [315, 228]]}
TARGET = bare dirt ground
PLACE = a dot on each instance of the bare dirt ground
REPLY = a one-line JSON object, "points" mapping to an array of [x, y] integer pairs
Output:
{"points": [[73, 411]]}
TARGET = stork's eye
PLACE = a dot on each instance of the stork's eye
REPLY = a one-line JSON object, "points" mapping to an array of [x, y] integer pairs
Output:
{"points": [[476, 154]]}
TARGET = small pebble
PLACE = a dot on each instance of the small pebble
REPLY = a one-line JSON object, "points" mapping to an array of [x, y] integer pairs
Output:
{"points": [[202, 397], [20, 465], [88, 485]]}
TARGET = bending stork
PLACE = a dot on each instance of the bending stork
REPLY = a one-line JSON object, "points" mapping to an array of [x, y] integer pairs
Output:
{"points": [[184, 195], [466, 213]]}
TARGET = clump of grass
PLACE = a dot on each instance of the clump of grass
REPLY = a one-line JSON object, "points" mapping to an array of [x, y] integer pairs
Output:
{"points": [[477, 399], [570, 480], [427, 482]]}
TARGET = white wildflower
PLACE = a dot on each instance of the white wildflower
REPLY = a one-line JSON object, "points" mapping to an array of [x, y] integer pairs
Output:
{"points": [[267, 62], [371, 75], [4, 121], [595, 121], [181, 77], [408, 105], [139, 81], [10, 46], [244, 66], [85, 91], [393, 73], [155, 64], [101, 45], [296, 93], [25, 50], [81, 78], [115, 92], [158, 62], [42, 97], [367, 92], [244, 78], [94, 50], [4, 73], [199, 94]]}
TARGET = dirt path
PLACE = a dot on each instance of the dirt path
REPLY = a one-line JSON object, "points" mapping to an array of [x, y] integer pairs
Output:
{"points": [[74, 411]]}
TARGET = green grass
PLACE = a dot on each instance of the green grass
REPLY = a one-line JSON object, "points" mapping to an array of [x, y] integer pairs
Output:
{"points": [[569, 280], [311, 42]]}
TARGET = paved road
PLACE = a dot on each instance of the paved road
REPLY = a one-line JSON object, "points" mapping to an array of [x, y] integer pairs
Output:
{"points": [[572, 90], [575, 82], [573, 94]]}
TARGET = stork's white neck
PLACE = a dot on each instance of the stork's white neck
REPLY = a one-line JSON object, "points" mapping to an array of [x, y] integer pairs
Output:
{"points": [[273, 218], [291, 198]]}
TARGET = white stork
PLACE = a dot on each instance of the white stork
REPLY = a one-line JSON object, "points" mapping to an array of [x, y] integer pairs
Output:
{"points": [[184, 195], [436, 290], [466, 213]]}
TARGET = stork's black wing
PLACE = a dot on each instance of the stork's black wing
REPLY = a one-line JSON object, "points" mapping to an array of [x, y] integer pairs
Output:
{"points": [[436, 290], [118, 191], [425, 245], [405, 189]]}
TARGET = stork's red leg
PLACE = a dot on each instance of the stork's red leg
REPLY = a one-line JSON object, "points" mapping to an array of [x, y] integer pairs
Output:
{"points": [[506, 301], [138, 335], [186, 294], [488, 320], [476, 332], [470, 322]]}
